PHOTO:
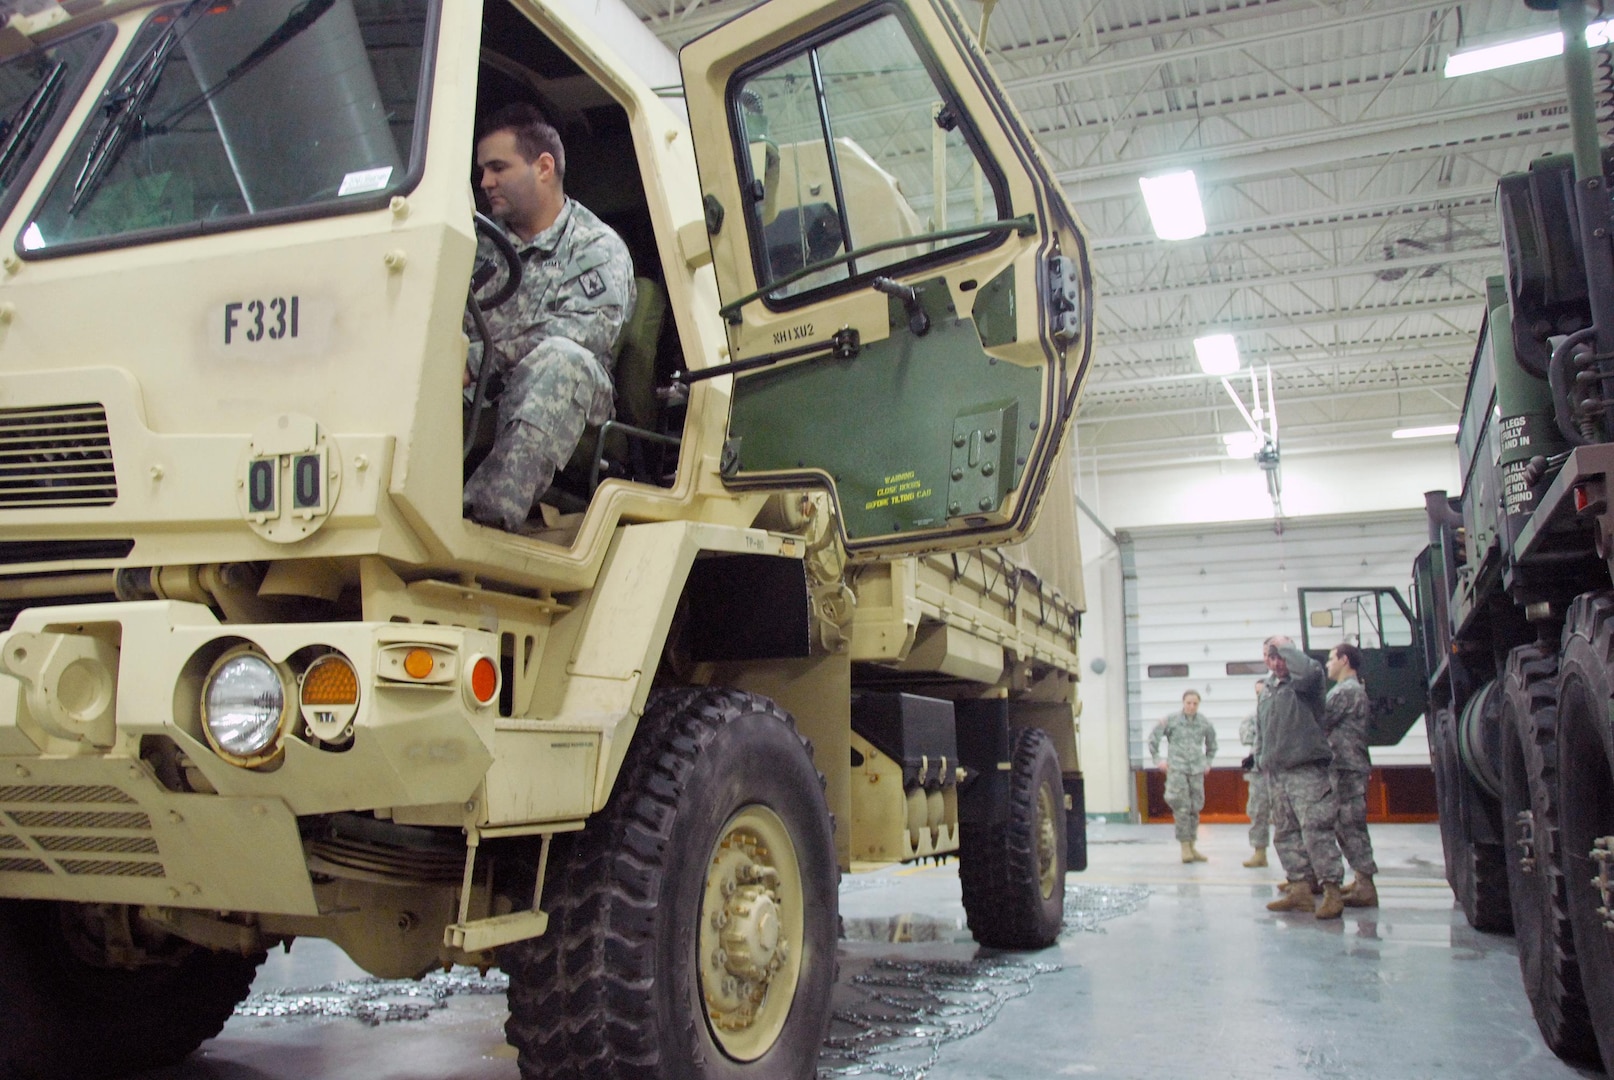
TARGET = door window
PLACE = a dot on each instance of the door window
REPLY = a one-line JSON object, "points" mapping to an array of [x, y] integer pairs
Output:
{"points": [[822, 209]]}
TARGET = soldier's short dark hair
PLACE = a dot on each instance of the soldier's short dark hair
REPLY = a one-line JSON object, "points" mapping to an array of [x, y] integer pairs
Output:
{"points": [[534, 135], [1350, 654], [1186, 694]]}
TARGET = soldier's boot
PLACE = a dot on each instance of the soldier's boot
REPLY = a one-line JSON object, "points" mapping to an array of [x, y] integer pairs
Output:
{"points": [[1333, 904], [1258, 859], [1361, 893], [1195, 851], [1296, 897], [1187, 851]]}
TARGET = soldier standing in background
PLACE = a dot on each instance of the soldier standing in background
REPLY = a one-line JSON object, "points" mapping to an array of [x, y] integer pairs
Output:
{"points": [[1293, 751], [555, 338], [1345, 720], [1192, 744], [1259, 804]]}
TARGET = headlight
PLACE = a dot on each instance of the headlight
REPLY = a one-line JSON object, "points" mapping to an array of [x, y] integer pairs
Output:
{"points": [[244, 707]]}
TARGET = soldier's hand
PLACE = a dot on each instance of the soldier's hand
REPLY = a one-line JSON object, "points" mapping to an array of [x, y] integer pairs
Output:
{"points": [[465, 377]]}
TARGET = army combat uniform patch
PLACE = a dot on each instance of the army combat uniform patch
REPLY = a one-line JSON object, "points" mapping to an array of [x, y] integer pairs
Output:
{"points": [[592, 284]]}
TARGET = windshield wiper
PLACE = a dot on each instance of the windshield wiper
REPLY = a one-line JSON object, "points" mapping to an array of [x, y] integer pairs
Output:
{"points": [[124, 103], [22, 126], [301, 18]]}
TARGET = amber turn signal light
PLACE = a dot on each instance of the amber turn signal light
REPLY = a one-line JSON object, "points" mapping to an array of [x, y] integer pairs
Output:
{"points": [[330, 680], [419, 663]]}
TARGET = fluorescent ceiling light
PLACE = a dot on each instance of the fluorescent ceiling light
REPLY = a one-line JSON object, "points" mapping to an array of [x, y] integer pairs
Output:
{"points": [[1174, 206], [1241, 444], [1218, 354], [1424, 432], [1508, 53]]}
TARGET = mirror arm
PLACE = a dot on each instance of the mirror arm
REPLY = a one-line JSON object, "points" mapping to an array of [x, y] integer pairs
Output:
{"points": [[918, 321], [844, 345]]}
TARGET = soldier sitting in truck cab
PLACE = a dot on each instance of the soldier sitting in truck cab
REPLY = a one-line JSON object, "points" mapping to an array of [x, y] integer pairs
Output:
{"points": [[554, 339]]}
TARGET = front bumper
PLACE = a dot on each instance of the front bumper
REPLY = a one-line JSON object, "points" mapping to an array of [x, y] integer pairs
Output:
{"points": [[85, 815]]}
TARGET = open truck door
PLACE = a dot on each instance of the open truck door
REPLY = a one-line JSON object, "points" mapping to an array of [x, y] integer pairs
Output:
{"points": [[1376, 620], [906, 290]]}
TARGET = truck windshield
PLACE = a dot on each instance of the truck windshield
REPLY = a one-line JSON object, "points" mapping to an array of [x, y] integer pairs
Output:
{"points": [[229, 115], [37, 89]]}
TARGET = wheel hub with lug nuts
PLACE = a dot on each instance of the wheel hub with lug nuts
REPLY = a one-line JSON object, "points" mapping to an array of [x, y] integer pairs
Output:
{"points": [[1047, 842], [750, 932], [1603, 855]]}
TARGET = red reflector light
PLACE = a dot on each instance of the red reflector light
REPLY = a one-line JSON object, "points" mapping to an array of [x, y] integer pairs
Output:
{"points": [[484, 680], [1581, 502]]}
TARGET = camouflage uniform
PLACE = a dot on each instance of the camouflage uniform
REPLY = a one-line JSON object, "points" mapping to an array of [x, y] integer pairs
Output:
{"points": [[1259, 805], [1191, 745], [555, 340], [1293, 751], [1346, 720]]}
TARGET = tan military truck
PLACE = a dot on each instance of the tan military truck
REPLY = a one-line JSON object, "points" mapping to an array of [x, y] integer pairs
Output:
{"points": [[259, 679]]}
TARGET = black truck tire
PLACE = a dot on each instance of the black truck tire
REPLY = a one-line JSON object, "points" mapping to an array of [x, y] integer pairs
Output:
{"points": [[692, 931], [1012, 872], [1475, 869], [1586, 799], [1536, 884], [63, 1015]]}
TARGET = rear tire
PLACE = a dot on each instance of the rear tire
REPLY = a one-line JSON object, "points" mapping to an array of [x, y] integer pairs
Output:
{"points": [[661, 958], [63, 1014], [1547, 958], [1013, 873], [1586, 798]]}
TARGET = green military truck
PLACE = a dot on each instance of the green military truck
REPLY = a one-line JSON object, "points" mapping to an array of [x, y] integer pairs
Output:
{"points": [[1514, 594], [260, 680]]}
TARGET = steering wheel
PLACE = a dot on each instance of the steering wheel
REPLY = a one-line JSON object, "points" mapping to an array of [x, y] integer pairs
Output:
{"points": [[475, 307], [512, 262]]}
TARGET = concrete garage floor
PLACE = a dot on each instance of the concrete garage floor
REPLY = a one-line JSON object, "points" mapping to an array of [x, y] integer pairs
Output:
{"points": [[1199, 980]]}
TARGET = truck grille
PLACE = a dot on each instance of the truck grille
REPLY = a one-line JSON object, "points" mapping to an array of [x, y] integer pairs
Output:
{"points": [[57, 455], [46, 829]]}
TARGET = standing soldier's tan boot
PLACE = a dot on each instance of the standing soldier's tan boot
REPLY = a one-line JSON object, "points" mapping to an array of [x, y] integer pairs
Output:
{"points": [[1187, 851], [1258, 859], [1361, 893], [1194, 849], [1296, 897], [1333, 904]]}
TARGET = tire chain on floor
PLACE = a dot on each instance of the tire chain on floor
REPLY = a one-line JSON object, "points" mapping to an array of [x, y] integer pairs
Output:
{"points": [[931, 1003], [374, 1001], [912, 1008], [926, 1004], [1088, 905]]}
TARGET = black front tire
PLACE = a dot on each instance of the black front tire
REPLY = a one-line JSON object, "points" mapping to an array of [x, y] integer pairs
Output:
{"points": [[64, 1015], [717, 811], [1530, 843], [1586, 799], [1012, 872]]}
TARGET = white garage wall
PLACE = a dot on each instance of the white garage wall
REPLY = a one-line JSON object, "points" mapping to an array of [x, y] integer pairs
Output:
{"points": [[1211, 594], [1364, 482]]}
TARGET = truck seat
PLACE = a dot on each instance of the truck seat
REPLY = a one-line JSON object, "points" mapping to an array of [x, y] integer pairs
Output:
{"points": [[628, 446]]}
